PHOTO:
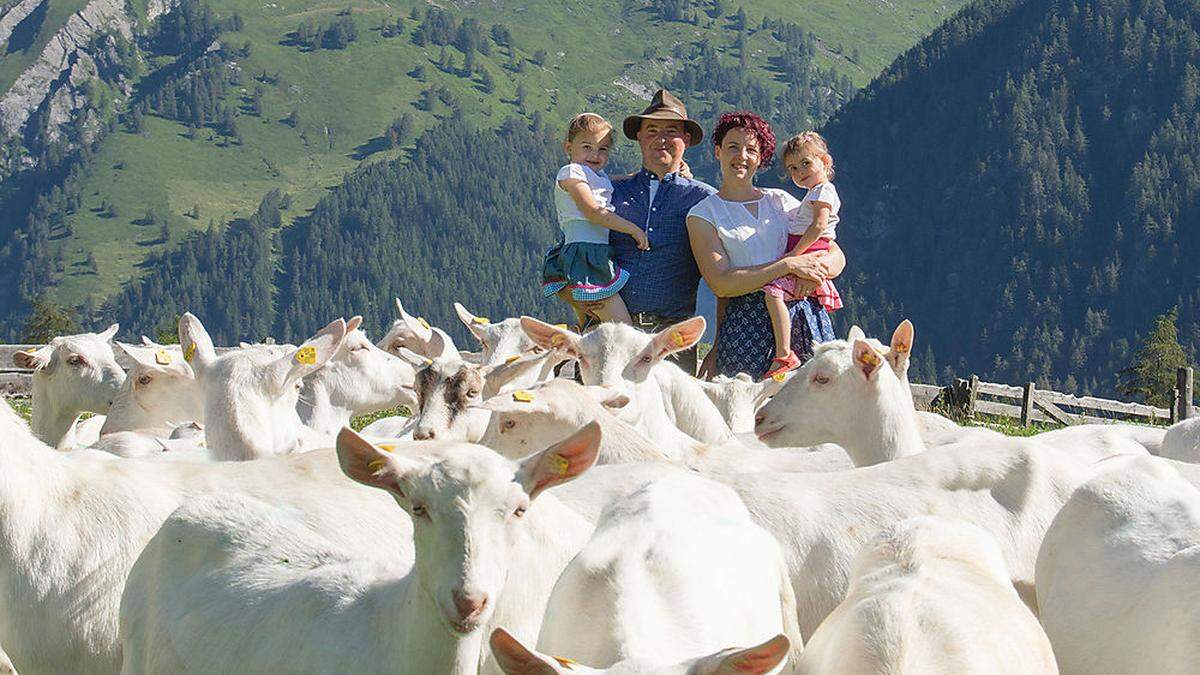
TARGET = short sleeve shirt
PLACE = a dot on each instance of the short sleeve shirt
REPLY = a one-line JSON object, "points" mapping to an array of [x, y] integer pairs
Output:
{"points": [[802, 215], [749, 239], [575, 226]]}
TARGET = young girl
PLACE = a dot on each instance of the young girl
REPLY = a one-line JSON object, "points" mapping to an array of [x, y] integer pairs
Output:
{"points": [[579, 268], [811, 226]]}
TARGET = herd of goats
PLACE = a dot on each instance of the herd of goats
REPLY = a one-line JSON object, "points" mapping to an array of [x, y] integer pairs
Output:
{"points": [[218, 514]]}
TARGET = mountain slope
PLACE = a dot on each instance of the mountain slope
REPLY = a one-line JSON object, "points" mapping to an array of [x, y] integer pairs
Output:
{"points": [[306, 116], [1021, 185]]}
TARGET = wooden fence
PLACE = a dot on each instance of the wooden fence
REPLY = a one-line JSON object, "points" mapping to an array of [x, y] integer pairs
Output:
{"points": [[967, 397]]}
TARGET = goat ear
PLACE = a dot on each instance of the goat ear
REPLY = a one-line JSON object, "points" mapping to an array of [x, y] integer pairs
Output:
{"points": [[560, 462], [412, 358], [419, 328], [197, 345], [364, 462], [515, 658], [613, 400], [441, 346], [109, 332], [867, 359], [771, 386], [472, 322], [498, 376], [902, 344], [855, 333], [354, 323], [310, 356], [33, 359], [551, 338], [679, 337], [755, 660]]}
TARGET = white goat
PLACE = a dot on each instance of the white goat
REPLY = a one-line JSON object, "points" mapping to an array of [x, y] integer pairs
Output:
{"points": [[673, 571], [250, 395], [843, 395], [221, 569], [738, 398], [1182, 441], [72, 526], [359, 379], [504, 341], [72, 374], [416, 335], [517, 659], [930, 595], [1118, 575], [618, 355], [447, 390], [159, 393], [535, 417]]}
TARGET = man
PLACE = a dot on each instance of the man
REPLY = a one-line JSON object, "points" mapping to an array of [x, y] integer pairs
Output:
{"points": [[663, 280]]}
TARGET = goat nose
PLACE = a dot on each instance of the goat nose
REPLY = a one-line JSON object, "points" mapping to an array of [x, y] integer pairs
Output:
{"points": [[469, 605], [424, 434], [758, 418]]}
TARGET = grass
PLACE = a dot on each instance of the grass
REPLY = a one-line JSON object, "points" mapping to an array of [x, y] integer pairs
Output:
{"points": [[346, 98]]}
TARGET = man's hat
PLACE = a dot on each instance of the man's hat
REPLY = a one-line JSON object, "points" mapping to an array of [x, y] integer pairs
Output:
{"points": [[664, 106]]}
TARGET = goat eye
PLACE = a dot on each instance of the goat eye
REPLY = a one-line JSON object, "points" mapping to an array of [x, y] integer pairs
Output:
{"points": [[76, 360], [472, 393], [419, 510], [509, 424], [820, 379], [520, 511], [646, 359], [144, 380]]}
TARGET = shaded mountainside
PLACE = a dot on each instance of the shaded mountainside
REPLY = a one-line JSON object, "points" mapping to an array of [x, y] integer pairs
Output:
{"points": [[1023, 185], [136, 123]]}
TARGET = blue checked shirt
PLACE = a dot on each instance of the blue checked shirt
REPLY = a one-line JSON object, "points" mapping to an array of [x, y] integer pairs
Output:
{"points": [[663, 280]]}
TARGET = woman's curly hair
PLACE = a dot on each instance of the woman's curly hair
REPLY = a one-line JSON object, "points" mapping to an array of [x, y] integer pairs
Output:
{"points": [[751, 123]]}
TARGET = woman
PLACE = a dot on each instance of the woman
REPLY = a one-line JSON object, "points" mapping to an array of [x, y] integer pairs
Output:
{"points": [[737, 236]]}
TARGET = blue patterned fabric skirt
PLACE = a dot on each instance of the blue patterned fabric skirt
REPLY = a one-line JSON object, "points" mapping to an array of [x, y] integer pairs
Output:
{"points": [[745, 343], [586, 269]]}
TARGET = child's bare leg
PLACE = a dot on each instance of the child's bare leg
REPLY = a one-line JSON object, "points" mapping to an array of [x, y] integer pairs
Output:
{"points": [[781, 324], [580, 312], [613, 308]]}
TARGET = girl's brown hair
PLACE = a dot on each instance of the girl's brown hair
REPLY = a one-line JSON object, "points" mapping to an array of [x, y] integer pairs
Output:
{"points": [[587, 122], [809, 140]]}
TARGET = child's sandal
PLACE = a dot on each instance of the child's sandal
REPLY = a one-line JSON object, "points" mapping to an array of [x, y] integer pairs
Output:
{"points": [[786, 364]]}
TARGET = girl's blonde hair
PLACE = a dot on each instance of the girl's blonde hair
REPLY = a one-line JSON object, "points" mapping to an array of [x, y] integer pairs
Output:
{"points": [[810, 140], [587, 121]]}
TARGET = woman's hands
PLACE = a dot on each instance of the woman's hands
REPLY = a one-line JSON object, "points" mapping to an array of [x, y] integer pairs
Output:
{"points": [[639, 238], [708, 367], [809, 267]]}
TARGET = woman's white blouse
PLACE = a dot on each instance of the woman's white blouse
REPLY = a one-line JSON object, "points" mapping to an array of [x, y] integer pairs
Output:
{"points": [[750, 240]]}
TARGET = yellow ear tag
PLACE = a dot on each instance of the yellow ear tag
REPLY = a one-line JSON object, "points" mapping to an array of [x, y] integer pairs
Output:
{"points": [[512, 358], [386, 447], [677, 338], [522, 396], [779, 377], [189, 352], [306, 355], [481, 320], [162, 357], [429, 362], [901, 349], [562, 326], [556, 340], [561, 465], [421, 320], [569, 664], [377, 465]]}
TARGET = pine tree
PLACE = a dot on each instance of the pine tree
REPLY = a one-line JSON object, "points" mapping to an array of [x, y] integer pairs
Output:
{"points": [[1151, 377], [48, 319]]}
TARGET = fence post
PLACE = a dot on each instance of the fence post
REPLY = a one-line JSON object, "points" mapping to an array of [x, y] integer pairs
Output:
{"points": [[1027, 405], [1183, 394], [972, 395]]}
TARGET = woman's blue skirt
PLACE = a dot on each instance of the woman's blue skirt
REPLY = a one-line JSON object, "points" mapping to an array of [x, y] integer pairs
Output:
{"points": [[745, 343]]}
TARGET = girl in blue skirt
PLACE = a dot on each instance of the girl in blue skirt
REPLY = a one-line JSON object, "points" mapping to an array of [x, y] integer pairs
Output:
{"points": [[579, 268]]}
